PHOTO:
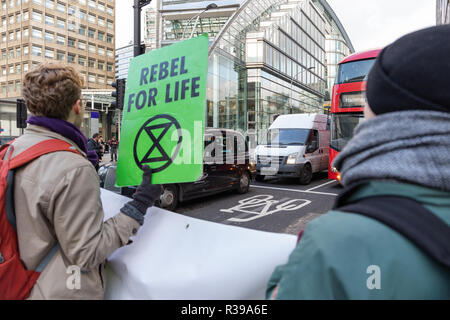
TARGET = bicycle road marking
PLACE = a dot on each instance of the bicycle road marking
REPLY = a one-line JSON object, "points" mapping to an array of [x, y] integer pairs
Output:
{"points": [[266, 204]]}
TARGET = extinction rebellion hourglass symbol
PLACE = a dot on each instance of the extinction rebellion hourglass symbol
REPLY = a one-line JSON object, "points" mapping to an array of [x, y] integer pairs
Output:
{"points": [[152, 129]]}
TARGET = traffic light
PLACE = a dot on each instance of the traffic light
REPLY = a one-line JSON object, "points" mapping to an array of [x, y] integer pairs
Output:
{"points": [[21, 113], [143, 48], [119, 94]]}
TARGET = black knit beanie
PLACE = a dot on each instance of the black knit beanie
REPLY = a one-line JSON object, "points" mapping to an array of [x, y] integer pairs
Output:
{"points": [[413, 73]]}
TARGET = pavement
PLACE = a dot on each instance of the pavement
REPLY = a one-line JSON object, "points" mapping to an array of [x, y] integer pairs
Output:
{"points": [[106, 159]]}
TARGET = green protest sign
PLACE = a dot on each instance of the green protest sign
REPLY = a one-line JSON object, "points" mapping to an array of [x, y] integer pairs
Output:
{"points": [[164, 114]]}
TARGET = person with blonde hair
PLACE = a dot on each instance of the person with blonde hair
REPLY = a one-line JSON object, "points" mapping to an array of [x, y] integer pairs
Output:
{"points": [[57, 201]]}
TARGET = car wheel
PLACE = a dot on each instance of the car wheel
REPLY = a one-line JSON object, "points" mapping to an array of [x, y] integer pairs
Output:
{"points": [[259, 178], [306, 175], [244, 183], [169, 198]]}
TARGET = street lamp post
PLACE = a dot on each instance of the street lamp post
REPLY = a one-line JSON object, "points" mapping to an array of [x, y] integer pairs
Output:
{"points": [[138, 5], [292, 81], [197, 17]]}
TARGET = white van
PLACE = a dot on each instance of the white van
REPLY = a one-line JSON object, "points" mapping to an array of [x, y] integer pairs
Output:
{"points": [[297, 146]]}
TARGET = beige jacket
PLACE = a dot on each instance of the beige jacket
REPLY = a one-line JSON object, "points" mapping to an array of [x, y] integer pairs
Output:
{"points": [[57, 200]]}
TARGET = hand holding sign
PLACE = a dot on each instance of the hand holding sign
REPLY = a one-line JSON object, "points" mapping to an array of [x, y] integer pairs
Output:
{"points": [[163, 122], [147, 193]]}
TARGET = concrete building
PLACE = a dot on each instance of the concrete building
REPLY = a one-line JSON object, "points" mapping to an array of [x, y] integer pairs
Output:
{"points": [[266, 57], [79, 33], [442, 11]]}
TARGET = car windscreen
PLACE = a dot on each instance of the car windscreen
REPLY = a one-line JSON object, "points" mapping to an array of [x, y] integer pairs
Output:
{"points": [[342, 128], [355, 71], [286, 137]]}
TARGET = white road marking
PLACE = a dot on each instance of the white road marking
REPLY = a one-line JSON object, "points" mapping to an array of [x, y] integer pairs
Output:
{"points": [[265, 203], [294, 190], [322, 185]]}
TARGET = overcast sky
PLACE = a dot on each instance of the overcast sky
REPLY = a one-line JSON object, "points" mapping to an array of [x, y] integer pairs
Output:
{"points": [[377, 23], [369, 23], [125, 21]]}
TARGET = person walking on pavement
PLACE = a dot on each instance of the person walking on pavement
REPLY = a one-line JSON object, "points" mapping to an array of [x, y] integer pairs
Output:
{"points": [[388, 236], [94, 145], [101, 142], [57, 196], [114, 145]]}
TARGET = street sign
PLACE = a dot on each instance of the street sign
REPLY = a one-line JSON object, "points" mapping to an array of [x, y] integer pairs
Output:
{"points": [[164, 114]]}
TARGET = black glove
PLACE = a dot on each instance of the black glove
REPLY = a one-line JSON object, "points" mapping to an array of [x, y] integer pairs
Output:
{"points": [[146, 194], [144, 197]]}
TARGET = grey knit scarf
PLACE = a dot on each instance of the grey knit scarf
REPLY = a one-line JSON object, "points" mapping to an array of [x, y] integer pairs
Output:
{"points": [[406, 146]]}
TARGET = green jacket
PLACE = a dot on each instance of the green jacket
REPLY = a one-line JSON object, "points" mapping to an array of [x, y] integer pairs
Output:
{"points": [[332, 258]]}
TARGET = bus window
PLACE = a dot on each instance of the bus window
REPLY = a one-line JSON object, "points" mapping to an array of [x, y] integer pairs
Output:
{"points": [[342, 128], [355, 71]]}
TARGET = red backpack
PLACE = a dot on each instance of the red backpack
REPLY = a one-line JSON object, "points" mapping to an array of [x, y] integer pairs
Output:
{"points": [[15, 281]]}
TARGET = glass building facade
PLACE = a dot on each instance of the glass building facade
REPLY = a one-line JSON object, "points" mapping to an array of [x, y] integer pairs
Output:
{"points": [[179, 19], [442, 12], [336, 51], [123, 59], [267, 57]]}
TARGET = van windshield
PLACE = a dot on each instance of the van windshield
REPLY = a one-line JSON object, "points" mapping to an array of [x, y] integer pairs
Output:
{"points": [[288, 137]]}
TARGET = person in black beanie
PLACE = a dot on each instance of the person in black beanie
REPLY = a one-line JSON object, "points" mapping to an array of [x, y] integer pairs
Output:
{"points": [[412, 73], [388, 235]]}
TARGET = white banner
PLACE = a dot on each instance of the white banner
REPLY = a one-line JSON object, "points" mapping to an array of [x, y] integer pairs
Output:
{"points": [[175, 257]]}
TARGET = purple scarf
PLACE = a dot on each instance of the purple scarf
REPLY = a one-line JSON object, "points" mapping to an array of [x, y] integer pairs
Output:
{"points": [[67, 130]]}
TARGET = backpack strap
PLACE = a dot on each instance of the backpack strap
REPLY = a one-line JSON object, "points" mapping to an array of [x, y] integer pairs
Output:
{"points": [[409, 218], [47, 258], [11, 216], [42, 148], [9, 203], [4, 148]]}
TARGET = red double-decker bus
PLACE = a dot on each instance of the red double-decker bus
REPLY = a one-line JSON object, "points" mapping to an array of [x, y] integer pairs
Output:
{"points": [[348, 101]]}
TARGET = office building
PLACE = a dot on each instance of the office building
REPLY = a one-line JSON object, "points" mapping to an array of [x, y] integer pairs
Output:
{"points": [[78, 33], [442, 11], [152, 22], [123, 58], [267, 57]]}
